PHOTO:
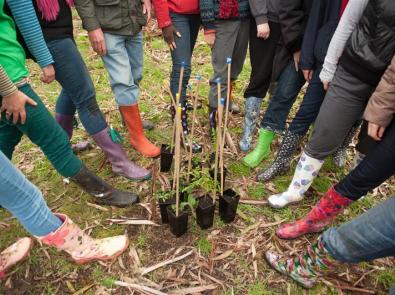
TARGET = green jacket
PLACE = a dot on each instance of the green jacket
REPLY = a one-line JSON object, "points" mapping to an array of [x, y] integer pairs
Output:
{"points": [[121, 17]]}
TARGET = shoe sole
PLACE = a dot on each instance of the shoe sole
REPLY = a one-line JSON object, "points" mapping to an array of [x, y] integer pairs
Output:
{"points": [[107, 258], [145, 178]]}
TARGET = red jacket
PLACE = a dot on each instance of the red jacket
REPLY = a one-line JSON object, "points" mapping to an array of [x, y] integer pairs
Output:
{"points": [[164, 7]]}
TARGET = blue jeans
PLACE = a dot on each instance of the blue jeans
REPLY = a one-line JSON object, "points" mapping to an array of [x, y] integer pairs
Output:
{"points": [[288, 87], [25, 201], [375, 168], [124, 63], [367, 237], [188, 26], [310, 106], [78, 92]]}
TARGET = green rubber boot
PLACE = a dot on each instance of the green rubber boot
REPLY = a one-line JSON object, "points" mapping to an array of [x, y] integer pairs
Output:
{"points": [[262, 149]]}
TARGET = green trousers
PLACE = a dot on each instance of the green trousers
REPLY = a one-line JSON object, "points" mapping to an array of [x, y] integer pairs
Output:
{"points": [[42, 129]]}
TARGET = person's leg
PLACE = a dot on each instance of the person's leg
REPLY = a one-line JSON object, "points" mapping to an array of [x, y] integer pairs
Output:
{"points": [[288, 87], [25, 201], [78, 91], [118, 64], [10, 136], [65, 112], [240, 49], [42, 130], [260, 78]]}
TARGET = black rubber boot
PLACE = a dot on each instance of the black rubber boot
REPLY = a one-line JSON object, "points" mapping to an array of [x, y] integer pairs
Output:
{"points": [[103, 193]]}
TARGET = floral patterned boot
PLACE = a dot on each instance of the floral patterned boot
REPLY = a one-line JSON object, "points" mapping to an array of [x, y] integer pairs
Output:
{"points": [[81, 247], [14, 254]]}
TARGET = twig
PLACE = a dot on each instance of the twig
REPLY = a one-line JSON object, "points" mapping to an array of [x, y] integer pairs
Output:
{"points": [[139, 288], [166, 262]]}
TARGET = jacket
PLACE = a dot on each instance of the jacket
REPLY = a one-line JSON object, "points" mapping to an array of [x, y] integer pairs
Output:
{"points": [[163, 8], [121, 17], [293, 16], [381, 107], [210, 11], [371, 46], [322, 24], [264, 11]]}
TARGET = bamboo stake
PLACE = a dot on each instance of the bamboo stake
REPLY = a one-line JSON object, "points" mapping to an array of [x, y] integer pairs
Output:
{"points": [[229, 62], [221, 146], [178, 158], [177, 98], [195, 99], [218, 80]]}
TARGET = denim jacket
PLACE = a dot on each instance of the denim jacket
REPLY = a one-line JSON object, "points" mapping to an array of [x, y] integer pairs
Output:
{"points": [[122, 17]]}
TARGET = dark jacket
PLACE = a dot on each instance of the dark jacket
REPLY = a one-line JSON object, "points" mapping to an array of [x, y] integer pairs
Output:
{"points": [[323, 20], [121, 17], [210, 11], [372, 44], [293, 16], [264, 11]]}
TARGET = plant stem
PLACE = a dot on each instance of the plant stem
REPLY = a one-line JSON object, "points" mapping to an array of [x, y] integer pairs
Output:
{"points": [[195, 99]]}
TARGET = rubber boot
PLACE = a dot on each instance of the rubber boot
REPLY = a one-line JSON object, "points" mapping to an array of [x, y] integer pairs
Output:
{"points": [[262, 149], [282, 163], [306, 171], [81, 247], [132, 119], [233, 107], [251, 115], [306, 268], [318, 218], [196, 147], [119, 160], [14, 254], [340, 156], [67, 124], [103, 193]]}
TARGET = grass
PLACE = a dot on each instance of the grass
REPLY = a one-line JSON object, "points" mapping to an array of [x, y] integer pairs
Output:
{"points": [[40, 275]]}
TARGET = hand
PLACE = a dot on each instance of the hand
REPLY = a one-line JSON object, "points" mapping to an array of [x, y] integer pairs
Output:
{"points": [[375, 131], [48, 74], [326, 84], [263, 31], [297, 59], [96, 37], [168, 34], [308, 75], [14, 105], [147, 9], [210, 39]]}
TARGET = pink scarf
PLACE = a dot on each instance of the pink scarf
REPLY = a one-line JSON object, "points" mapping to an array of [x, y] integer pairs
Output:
{"points": [[50, 8]]}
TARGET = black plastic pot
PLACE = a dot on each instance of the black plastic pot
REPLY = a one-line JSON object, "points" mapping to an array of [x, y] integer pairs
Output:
{"points": [[163, 204], [228, 205], [178, 224], [166, 158], [205, 212], [212, 172]]}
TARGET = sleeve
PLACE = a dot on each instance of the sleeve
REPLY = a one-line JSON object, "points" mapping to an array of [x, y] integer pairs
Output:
{"points": [[347, 24], [307, 61], [381, 107], [26, 19], [86, 11], [259, 11], [291, 17], [6, 85], [162, 13], [207, 14]]}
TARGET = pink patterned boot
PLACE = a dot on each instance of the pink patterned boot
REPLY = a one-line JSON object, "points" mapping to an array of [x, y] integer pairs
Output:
{"points": [[14, 254], [82, 248]]}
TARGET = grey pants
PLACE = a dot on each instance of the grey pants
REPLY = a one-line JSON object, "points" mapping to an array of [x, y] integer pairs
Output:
{"points": [[231, 40], [343, 106]]}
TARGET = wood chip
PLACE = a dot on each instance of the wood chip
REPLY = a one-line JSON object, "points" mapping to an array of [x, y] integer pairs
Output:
{"points": [[223, 255]]}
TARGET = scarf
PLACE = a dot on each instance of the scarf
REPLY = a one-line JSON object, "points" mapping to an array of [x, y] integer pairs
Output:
{"points": [[343, 7], [50, 8], [228, 9]]}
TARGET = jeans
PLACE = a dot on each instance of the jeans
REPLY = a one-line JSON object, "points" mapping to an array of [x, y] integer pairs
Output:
{"points": [[25, 201], [78, 92], [288, 87], [367, 237], [188, 26], [231, 40], [343, 106], [376, 167], [124, 63], [310, 106], [42, 130]]}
